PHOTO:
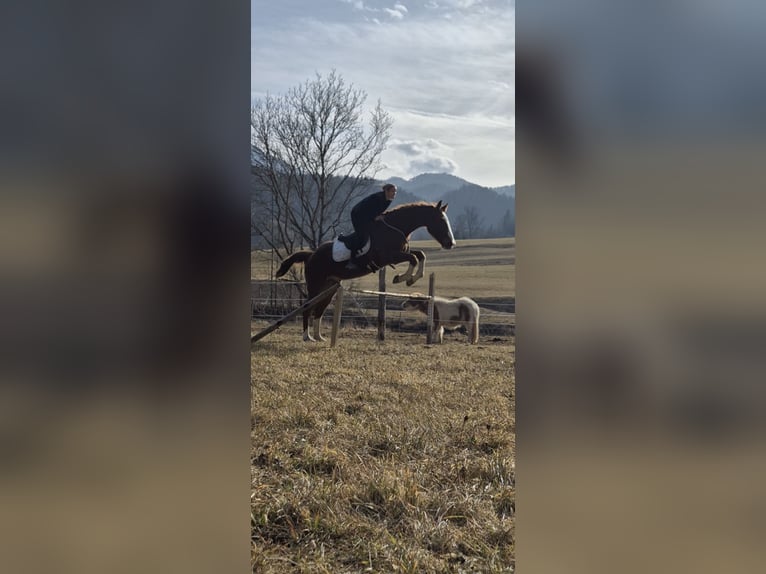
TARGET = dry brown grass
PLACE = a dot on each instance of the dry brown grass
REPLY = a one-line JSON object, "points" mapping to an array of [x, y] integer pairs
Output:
{"points": [[382, 456]]}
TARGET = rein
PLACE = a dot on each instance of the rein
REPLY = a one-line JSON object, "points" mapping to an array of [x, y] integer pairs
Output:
{"points": [[407, 243], [395, 228]]}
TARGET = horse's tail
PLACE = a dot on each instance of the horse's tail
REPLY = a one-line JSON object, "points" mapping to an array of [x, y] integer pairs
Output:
{"points": [[297, 257]]}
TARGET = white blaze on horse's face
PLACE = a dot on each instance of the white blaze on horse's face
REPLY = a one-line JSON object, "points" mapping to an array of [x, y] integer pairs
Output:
{"points": [[451, 241], [440, 229]]}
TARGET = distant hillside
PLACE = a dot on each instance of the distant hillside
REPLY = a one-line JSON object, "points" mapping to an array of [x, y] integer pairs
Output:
{"points": [[397, 181], [433, 186], [494, 213], [505, 190], [429, 186], [474, 211], [404, 196]]}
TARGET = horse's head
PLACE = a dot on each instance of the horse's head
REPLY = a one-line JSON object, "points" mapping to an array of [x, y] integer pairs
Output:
{"points": [[417, 302], [439, 227]]}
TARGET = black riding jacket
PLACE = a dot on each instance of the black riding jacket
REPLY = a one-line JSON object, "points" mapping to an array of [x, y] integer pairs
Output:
{"points": [[370, 207]]}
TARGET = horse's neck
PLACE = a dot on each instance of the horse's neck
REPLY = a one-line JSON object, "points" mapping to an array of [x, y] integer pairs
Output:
{"points": [[405, 221]]}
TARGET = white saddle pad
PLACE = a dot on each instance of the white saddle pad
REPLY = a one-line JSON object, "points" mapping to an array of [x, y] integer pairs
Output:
{"points": [[342, 253]]}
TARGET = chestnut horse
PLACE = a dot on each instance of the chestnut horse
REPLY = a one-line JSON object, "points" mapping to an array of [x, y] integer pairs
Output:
{"points": [[389, 239]]}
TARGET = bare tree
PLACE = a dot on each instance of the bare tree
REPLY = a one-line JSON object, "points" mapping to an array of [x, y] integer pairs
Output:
{"points": [[468, 225], [313, 155], [508, 224]]}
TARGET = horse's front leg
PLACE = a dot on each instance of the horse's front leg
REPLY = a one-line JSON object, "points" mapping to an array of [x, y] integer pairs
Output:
{"points": [[421, 265], [412, 260]]}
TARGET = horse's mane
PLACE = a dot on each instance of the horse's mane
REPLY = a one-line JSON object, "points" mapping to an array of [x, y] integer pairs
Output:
{"points": [[413, 204]]}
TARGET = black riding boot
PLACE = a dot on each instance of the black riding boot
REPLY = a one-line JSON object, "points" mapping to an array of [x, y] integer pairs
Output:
{"points": [[353, 262]]}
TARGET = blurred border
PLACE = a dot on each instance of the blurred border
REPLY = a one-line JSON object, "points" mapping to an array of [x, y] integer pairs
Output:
{"points": [[124, 170], [640, 319]]}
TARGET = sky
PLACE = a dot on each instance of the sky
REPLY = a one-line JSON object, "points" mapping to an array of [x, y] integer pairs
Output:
{"points": [[443, 69]]}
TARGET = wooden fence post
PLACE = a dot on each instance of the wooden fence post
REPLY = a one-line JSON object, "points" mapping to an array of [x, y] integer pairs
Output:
{"points": [[382, 304], [430, 323]]}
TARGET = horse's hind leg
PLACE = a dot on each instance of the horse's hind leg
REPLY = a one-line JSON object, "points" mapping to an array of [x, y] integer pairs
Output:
{"points": [[318, 324], [319, 310], [306, 319], [314, 316]]}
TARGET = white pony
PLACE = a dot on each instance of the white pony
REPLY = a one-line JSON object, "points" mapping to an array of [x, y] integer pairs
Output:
{"points": [[449, 314]]}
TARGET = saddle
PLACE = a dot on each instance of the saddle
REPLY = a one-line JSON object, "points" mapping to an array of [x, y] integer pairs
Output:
{"points": [[343, 246]]}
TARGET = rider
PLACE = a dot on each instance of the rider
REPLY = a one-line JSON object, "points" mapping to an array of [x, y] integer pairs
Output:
{"points": [[365, 213]]}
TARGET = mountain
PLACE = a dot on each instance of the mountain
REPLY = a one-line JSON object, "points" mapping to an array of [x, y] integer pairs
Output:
{"points": [[432, 186], [477, 211], [429, 186], [474, 211], [258, 159], [404, 196], [397, 181], [509, 190]]}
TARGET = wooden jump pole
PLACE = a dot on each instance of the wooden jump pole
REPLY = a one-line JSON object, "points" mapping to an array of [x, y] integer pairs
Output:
{"points": [[430, 322], [336, 313], [307, 305], [382, 304]]}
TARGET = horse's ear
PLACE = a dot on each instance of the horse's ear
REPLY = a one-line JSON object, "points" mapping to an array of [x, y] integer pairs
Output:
{"points": [[444, 207], [439, 205]]}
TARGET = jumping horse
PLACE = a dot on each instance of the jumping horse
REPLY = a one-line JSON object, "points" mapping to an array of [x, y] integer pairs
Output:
{"points": [[389, 245]]}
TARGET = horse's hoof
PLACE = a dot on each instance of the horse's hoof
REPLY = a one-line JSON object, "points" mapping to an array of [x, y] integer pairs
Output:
{"points": [[397, 278], [410, 282]]}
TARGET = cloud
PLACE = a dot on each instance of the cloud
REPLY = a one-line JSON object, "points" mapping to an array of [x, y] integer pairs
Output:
{"points": [[498, 85], [418, 147], [462, 4], [397, 12], [433, 165], [448, 80], [414, 156], [480, 150], [357, 4]]}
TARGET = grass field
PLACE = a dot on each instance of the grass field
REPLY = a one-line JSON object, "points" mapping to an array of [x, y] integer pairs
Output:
{"points": [[390, 456]]}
